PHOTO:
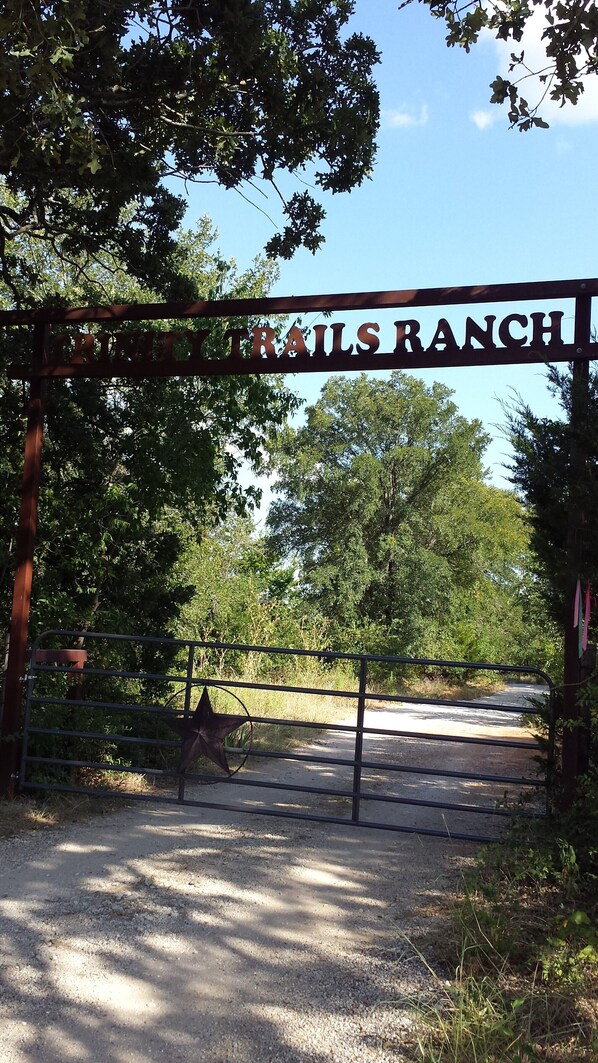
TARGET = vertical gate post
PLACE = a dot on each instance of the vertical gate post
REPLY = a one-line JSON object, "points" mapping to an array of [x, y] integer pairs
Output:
{"points": [[572, 720], [187, 706], [363, 673], [24, 550]]}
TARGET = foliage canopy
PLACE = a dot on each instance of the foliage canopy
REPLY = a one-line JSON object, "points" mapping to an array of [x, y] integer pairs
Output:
{"points": [[100, 103], [541, 471], [130, 473], [384, 506]]}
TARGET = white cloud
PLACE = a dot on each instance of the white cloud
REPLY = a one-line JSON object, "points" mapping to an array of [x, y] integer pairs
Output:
{"points": [[585, 111], [405, 118], [483, 119]]}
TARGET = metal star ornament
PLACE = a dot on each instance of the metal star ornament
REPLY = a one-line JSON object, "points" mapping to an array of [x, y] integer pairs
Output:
{"points": [[203, 734]]}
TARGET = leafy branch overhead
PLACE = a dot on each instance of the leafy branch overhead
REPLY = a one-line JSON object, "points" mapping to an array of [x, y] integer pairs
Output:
{"points": [[569, 38], [109, 100]]}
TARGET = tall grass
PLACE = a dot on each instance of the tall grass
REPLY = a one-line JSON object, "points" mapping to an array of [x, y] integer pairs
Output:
{"points": [[523, 964]]}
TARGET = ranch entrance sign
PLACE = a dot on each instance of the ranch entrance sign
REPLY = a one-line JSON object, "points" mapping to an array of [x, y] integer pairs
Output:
{"points": [[399, 340], [418, 329]]}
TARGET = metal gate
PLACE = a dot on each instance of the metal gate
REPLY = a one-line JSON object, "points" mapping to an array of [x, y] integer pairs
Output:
{"points": [[224, 726]]}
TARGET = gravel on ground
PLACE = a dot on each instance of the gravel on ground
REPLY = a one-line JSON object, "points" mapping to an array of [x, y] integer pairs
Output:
{"points": [[167, 932]]}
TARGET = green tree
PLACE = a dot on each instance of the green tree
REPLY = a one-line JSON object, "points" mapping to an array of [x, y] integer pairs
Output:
{"points": [[569, 37], [385, 508], [101, 103], [242, 593], [542, 473], [555, 470], [500, 615], [129, 470]]}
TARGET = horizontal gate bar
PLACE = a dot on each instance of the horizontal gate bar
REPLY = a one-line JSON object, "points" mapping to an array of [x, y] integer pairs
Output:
{"points": [[331, 655], [347, 762], [315, 725], [309, 758], [377, 764], [366, 795], [258, 810], [238, 684]]}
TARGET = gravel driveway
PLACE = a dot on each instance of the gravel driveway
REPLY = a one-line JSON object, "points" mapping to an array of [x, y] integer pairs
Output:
{"points": [[196, 934]]}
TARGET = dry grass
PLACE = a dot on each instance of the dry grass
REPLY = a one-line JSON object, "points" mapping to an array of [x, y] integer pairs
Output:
{"points": [[26, 813], [294, 707], [444, 688]]}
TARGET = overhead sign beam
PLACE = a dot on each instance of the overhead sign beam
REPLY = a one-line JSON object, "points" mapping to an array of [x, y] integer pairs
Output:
{"points": [[251, 344], [300, 304]]}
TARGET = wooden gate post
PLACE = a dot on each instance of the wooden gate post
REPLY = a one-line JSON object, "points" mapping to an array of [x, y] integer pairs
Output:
{"points": [[572, 717], [24, 550]]}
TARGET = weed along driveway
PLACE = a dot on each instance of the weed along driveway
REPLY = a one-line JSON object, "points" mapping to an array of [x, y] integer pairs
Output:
{"points": [[180, 933]]}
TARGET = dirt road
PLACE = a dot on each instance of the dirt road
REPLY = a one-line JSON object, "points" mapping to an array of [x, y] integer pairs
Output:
{"points": [[166, 933]]}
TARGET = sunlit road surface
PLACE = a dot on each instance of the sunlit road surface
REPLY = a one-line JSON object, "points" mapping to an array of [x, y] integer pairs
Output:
{"points": [[485, 720]]}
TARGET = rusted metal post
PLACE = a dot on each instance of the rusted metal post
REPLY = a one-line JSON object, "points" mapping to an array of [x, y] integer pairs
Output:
{"points": [[572, 720], [187, 707], [361, 705], [24, 549]]}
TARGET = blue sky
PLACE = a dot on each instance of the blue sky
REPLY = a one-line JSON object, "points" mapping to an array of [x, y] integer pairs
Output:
{"points": [[456, 198]]}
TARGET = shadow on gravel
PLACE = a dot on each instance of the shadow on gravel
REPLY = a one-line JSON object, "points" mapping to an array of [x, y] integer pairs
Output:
{"points": [[182, 935], [190, 934]]}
